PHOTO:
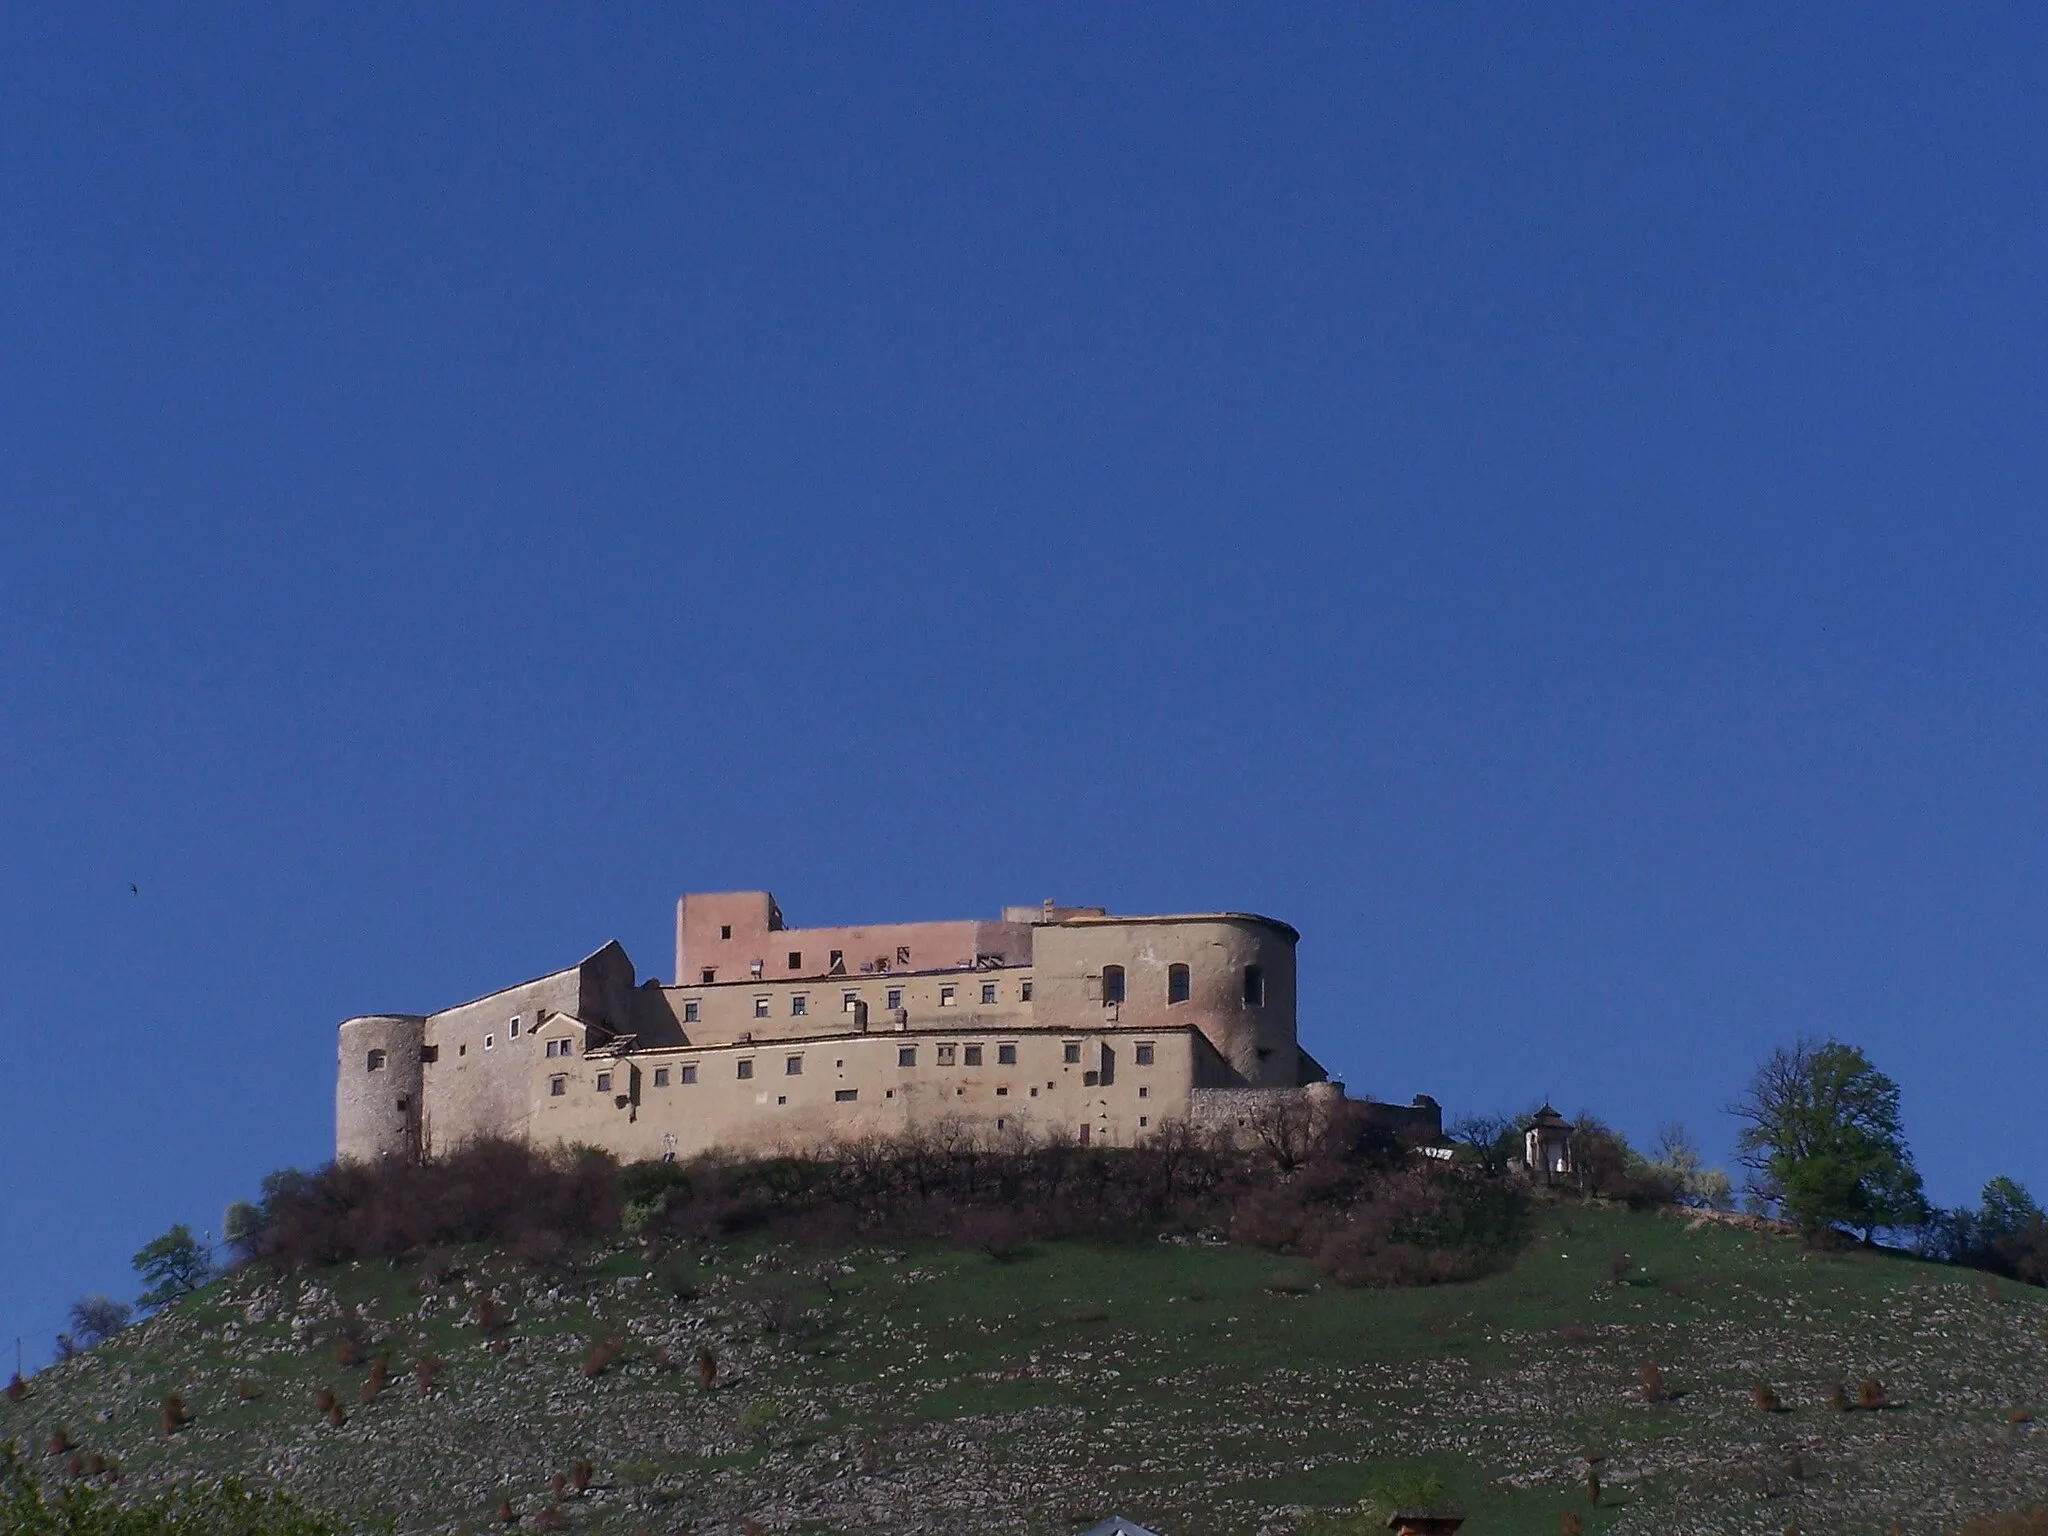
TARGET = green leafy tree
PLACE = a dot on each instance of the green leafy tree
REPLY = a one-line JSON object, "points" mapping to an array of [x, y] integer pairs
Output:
{"points": [[1822, 1134], [2006, 1209], [174, 1265]]}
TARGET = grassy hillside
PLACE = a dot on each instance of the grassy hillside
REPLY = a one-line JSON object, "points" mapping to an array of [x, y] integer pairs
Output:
{"points": [[1198, 1389]]}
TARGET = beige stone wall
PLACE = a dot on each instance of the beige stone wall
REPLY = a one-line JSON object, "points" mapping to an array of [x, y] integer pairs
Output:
{"points": [[645, 1105], [377, 1086], [480, 1078], [1256, 1038], [730, 933], [768, 1010]]}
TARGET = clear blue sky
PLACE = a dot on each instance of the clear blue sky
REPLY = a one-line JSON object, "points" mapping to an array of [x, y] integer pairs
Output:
{"points": [[1549, 503]]}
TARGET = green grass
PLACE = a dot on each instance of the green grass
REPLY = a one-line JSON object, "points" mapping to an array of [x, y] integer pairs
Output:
{"points": [[1179, 1384]]}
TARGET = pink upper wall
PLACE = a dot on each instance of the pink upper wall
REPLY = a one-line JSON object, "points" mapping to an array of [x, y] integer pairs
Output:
{"points": [[726, 931]]}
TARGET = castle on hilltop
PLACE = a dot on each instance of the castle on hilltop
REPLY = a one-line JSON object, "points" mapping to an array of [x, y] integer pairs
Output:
{"points": [[1053, 1021]]}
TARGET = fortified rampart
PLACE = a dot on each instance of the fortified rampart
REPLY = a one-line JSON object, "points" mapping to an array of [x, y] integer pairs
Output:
{"points": [[1049, 1022]]}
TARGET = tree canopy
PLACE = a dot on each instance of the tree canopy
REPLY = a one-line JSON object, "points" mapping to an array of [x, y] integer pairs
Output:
{"points": [[173, 1265], [1823, 1135]]}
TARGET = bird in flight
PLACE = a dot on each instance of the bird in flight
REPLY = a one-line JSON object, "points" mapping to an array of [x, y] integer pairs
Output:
{"points": [[134, 889]]}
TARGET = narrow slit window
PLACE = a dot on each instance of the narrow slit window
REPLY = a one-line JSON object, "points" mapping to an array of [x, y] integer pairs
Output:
{"points": [[1024, 992], [1254, 986]]}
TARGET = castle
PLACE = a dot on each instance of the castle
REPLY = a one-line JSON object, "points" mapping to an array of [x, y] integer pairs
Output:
{"points": [[1053, 1021]]}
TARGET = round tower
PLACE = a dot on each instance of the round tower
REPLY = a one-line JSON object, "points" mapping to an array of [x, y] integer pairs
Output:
{"points": [[378, 1085]]}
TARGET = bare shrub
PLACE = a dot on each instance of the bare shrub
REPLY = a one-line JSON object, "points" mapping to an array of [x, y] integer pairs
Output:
{"points": [[1651, 1380], [707, 1367], [174, 1417], [507, 1515], [1592, 1485], [1765, 1398], [60, 1441], [1870, 1394], [16, 1389], [426, 1371], [324, 1399], [558, 1487], [486, 1316], [1571, 1523], [246, 1391], [580, 1473], [348, 1354], [598, 1358], [336, 1417], [1838, 1398], [2013, 1522]]}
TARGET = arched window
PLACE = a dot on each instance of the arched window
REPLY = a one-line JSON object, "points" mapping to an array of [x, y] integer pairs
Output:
{"points": [[1112, 983], [1176, 983]]}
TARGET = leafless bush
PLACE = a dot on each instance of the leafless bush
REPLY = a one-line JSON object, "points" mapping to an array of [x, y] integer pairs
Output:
{"points": [[174, 1417], [246, 1391], [1765, 1398], [1651, 1379], [2013, 1522], [558, 1487], [348, 1354], [16, 1389], [580, 1473], [1571, 1523], [1870, 1394], [707, 1367], [324, 1400], [60, 1441], [598, 1358], [1838, 1398], [426, 1371]]}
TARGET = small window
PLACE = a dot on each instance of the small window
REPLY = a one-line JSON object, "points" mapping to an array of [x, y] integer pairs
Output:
{"points": [[709, 976], [845, 1095], [796, 959], [1254, 986], [489, 1041], [513, 1027], [376, 1062], [782, 1098], [746, 1069], [895, 997], [1085, 1130], [1144, 1120], [462, 1050], [1006, 1055], [430, 1053], [903, 954], [1144, 1093], [754, 969], [848, 999], [1034, 1089], [1070, 1053], [945, 1055], [836, 957], [688, 1074], [988, 993], [1176, 983], [1141, 1053], [661, 1077], [906, 1056], [760, 1007], [1112, 984], [557, 1086], [1090, 1079], [604, 1082], [1024, 992], [798, 1005], [1002, 1093], [404, 1105], [725, 930], [690, 1012], [999, 1122], [793, 1067], [970, 1055], [947, 996]]}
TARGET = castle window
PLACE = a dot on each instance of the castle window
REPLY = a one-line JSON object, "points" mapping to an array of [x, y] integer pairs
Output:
{"points": [[798, 1005], [513, 1027], [754, 969], [462, 1050], [661, 1077], [690, 1011], [1034, 1089], [970, 1055], [906, 1056], [903, 954], [604, 1082], [489, 1041], [782, 1098], [760, 1007], [1176, 983], [1002, 1093], [1024, 992], [746, 1069], [709, 976], [557, 1086], [895, 997], [1144, 1119], [1254, 986], [988, 992], [376, 1062], [1112, 984], [845, 1095], [725, 930], [999, 1122], [947, 996], [1141, 1053], [945, 1055], [404, 1105], [1006, 1055], [1090, 1079], [430, 1053], [689, 1074], [848, 999], [1070, 1053], [796, 959], [837, 959], [1144, 1093], [793, 1067]]}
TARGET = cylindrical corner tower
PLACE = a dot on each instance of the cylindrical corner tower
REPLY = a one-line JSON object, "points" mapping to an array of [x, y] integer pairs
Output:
{"points": [[378, 1085]]}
